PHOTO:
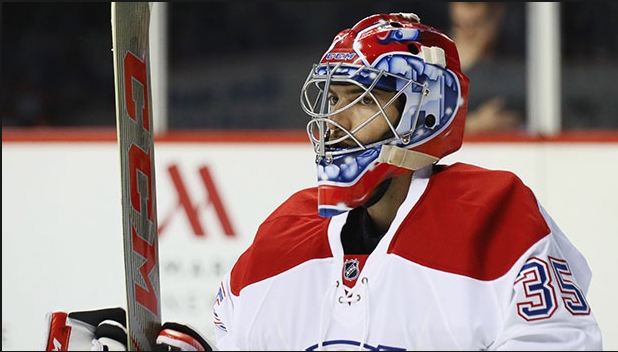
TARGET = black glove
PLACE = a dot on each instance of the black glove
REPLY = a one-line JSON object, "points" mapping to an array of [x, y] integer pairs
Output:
{"points": [[105, 330], [94, 330]]}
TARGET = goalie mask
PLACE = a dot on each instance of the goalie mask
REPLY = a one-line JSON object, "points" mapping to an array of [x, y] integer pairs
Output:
{"points": [[420, 66]]}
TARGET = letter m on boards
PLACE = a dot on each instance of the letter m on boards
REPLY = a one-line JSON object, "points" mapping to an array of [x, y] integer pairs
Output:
{"points": [[193, 207]]}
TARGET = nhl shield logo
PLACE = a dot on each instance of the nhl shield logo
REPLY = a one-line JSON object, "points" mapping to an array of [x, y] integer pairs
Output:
{"points": [[351, 269]]}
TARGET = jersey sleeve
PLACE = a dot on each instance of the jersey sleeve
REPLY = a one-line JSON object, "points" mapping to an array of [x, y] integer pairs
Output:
{"points": [[548, 305], [223, 317]]}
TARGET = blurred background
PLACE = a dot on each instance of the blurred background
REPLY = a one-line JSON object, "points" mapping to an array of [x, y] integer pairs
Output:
{"points": [[240, 65], [232, 72]]}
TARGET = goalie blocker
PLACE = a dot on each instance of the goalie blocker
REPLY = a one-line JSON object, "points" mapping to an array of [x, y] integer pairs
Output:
{"points": [[105, 330]]}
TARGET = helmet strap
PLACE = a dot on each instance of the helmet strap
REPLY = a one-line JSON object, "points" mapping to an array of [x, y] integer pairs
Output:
{"points": [[405, 158]]}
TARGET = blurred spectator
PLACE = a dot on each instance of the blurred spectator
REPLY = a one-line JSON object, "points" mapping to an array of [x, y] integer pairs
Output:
{"points": [[494, 63], [57, 64]]}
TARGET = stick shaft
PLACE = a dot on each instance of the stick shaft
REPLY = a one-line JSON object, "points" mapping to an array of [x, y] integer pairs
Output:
{"points": [[130, 26]]}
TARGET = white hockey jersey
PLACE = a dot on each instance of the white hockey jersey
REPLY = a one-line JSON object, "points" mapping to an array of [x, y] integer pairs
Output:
{"points": [[471, 262]]}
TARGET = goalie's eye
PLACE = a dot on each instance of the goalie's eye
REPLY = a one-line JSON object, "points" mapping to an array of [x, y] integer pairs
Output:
{"points": [[367, 100]]}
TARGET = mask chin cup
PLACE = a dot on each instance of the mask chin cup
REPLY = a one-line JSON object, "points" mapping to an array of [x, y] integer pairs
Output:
{"points": [[334, 199], [329, 212]]}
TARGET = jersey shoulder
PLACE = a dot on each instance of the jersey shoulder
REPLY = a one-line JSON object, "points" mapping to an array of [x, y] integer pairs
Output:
{"points": [[471, 221], [292, 234]]}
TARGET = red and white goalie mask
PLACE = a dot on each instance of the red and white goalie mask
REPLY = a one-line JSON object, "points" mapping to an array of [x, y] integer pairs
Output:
{"points": [[396, 53]]}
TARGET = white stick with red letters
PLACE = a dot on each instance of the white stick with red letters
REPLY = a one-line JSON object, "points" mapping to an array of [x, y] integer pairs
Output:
{"points": [[134, 121]]}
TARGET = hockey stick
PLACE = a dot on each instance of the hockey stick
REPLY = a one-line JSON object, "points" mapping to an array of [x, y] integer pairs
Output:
{"points": [[130, 40]]}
